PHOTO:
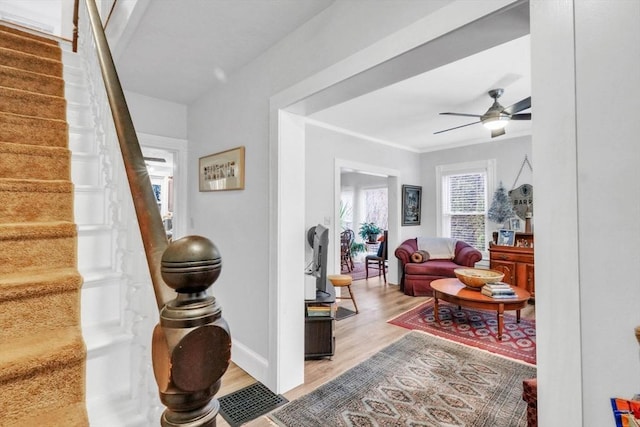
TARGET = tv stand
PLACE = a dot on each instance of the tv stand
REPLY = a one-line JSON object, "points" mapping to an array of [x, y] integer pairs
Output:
{"points": [[319, 339]]}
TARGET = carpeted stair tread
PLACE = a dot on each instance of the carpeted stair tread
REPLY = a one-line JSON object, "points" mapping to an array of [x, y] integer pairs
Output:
{"points": [[29, 130], [32, 231], [41, 39], [17, 161], [19, 285], [27, 103], [41, 352], [22, 43], [29, 62], [25, 200], [36, 185], [34, 302], [35, 246], [74, 415], [41, 371], [33, 82]]}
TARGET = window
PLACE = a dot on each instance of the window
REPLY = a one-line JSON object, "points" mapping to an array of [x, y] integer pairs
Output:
{"points": [[376, 205], [346, 209], [463, 203]]}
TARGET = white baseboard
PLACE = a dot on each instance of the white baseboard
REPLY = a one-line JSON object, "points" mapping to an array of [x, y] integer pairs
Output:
{"points": [[251, 362]]}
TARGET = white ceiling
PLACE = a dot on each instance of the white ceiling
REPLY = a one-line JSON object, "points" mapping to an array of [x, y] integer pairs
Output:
{"points": [[407, 113], [179, 48]]}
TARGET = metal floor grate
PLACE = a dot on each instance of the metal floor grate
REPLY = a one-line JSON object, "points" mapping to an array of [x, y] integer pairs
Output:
{"points": [[342, 313], [249, 403]]}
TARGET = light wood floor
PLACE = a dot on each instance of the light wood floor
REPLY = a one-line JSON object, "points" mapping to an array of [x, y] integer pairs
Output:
{"points": [[357, 338]]}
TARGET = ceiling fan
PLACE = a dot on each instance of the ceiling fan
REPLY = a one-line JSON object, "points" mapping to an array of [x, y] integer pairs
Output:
{"points": [[497, 116]]}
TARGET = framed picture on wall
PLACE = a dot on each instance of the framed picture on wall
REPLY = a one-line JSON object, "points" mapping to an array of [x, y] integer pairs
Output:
{"points": [[222, 171], [411, 203]]}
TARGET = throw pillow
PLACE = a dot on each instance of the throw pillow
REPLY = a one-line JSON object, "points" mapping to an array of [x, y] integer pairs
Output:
{"points": [[420, 256]]}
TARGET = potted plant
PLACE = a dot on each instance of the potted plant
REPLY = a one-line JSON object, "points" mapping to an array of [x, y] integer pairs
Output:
{"points": [[357, 248], [369, 231]]}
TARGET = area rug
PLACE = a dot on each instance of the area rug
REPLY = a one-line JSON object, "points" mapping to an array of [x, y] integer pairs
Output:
{"points": [[420, 380], [358, 272], [477, 328]]}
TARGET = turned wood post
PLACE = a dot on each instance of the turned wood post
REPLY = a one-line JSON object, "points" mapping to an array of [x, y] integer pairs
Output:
{"points": [[192, 343]]}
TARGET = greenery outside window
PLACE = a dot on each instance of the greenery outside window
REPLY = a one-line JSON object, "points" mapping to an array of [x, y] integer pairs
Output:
{"points": [[463, 201]]}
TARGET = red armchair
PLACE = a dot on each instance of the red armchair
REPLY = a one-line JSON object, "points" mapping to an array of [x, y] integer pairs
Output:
{"points": [[417, 277]]}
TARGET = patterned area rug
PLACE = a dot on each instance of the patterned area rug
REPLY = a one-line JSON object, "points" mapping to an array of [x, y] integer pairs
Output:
{"points": [[420, 380], [477, 328]]}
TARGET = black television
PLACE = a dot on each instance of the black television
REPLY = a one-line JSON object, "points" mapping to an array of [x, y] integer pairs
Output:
{"points": [[318, 239]]}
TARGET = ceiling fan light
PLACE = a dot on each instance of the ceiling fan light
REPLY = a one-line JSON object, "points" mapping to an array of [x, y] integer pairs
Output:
{"points": [[495, 123]]}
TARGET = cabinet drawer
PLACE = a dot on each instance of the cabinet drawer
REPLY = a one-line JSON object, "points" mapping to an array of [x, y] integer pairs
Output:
{"points": [[512, 256]]}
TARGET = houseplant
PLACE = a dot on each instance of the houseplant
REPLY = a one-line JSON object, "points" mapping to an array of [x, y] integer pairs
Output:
{"points": [[369, 231]]}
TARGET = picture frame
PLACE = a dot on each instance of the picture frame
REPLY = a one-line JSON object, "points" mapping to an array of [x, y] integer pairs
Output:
{"points": [[506, 237], [222, 171], [515, 224], [411, 204]]}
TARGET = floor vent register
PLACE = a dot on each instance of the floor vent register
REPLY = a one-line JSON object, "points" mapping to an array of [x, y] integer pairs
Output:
{"points": [[249, 403]]}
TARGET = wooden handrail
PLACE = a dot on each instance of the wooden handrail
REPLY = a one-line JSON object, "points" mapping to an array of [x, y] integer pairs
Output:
{"points": [[154, 237], [74, 42]]}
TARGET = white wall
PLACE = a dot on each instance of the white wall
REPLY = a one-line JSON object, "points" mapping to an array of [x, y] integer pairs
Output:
{"points": [[156, 116], [40, 15], [508, 152], [587, 235]]}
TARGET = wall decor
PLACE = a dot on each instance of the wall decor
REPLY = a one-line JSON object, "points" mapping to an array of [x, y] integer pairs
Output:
{"points": [[522, 200], [522, 197], [411, 202], [222, 171], [506, 237]]}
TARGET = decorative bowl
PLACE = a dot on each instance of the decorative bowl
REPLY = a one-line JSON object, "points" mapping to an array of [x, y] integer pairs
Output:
{"points": [[476, 278]]}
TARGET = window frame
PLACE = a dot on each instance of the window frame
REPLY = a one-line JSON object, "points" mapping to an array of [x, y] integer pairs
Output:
{"points": [[487, 167]]}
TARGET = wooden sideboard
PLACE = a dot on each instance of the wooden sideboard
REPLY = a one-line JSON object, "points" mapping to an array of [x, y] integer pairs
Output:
{"points": [[516, 262]]}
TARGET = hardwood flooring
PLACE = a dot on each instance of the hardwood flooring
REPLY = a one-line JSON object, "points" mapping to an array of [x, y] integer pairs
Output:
{"points": [[357, 338]]}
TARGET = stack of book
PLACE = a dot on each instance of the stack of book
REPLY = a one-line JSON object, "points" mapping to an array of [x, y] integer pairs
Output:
{"points": [[498, 290], [319, 310]]}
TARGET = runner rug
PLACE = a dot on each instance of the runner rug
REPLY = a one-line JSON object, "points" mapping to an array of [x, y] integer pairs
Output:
{"points": [[477, 328], [420, 380]]}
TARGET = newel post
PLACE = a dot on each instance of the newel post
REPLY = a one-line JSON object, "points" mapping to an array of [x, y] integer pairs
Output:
{"points": [[192, 343]]}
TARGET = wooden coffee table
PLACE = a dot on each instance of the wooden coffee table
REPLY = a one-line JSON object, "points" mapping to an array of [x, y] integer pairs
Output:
{"points": [[455, 292]]}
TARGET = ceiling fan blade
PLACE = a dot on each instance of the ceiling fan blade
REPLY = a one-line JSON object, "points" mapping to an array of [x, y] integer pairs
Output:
{"points": [[521, 116], [461, 114], [457, 127], [497, 132], [518, 106]]}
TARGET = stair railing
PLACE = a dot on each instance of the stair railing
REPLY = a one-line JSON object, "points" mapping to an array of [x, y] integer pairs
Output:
{"points": [[191, 346]]}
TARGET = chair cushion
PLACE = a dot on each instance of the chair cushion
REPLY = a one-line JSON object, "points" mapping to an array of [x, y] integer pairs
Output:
{"points": [[434, 267]]}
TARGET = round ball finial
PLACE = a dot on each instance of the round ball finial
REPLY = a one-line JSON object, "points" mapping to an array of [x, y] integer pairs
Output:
{"points": [[191, 264]]}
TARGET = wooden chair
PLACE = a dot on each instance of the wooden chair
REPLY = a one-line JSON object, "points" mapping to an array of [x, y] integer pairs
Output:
{"points": [[379, 260], [346, 239]]}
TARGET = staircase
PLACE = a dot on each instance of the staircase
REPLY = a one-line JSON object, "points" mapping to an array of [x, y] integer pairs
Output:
{"points": [[42, 353]]}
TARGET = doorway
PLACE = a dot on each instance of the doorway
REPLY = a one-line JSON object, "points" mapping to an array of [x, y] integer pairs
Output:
{"points": [[363, 199], [165, 159]]}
